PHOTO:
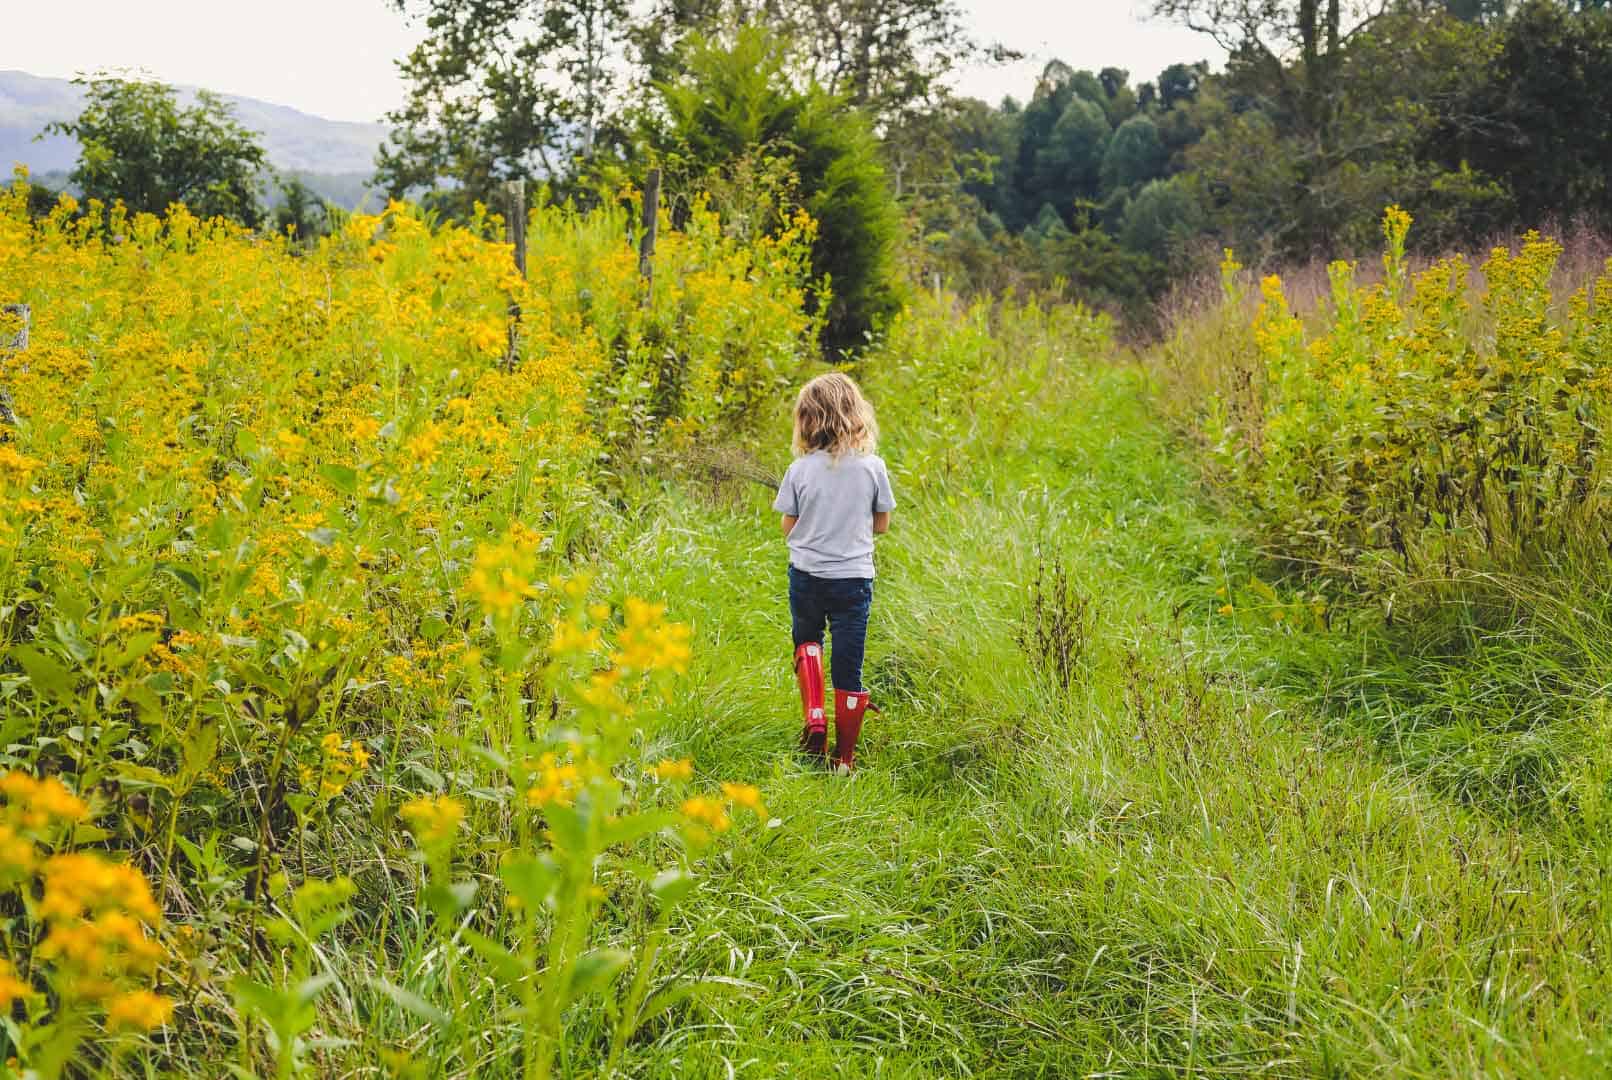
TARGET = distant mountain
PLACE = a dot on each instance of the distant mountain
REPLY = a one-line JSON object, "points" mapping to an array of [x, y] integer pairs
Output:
{"points": [[294, 141]]}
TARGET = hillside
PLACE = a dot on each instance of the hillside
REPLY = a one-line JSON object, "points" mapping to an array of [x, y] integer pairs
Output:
{"points": [[335, 151]]}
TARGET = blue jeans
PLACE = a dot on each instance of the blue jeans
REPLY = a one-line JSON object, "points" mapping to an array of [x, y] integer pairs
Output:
{"points": [[843, 604]]}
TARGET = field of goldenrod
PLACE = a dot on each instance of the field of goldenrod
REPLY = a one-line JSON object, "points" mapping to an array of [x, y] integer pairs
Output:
{"points": [[1424, 423], [293, 565]]}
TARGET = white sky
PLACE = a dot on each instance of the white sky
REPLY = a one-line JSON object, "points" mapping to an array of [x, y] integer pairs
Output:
{"points": [[333, 58]]}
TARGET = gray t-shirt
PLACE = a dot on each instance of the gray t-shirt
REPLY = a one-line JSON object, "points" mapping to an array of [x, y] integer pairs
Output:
{"points": [[835, 501]]}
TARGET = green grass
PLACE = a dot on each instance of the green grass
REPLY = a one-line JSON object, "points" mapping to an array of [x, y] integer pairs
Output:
{"points": [[1172, 870]]}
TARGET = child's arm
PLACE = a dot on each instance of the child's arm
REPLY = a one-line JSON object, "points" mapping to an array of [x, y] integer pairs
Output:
{"points": [[788, 502], [884, 499]]}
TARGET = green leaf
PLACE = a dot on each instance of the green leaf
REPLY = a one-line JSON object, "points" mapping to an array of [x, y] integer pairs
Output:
{"points": [[503, 962], [137, 646], [450, 900], [49, 677], [410, 1002], [197, 752], [135, 776], [594, 970], [344, 478], [308, 990], [672, 885], [181, 575], [631, 827], [530, 879]]}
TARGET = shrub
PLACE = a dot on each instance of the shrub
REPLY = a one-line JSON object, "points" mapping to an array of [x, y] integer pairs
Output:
{"points": [[735, 101]]}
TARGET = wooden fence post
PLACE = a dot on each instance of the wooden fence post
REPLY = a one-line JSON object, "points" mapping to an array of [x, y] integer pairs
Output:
{"points": [[515, 220], [18, 343], [646, 245], [515, 233]]}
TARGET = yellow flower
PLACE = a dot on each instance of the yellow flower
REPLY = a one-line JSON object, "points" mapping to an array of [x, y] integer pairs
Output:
{"points": [[648, 642], [571, 639], [35, 804], [556, 784], [11, 987], [747, 796], [140, 621], [80, 883], [138, 1010], [18, 856], [435, 819], [502, 575], [706, 811], [680, 769]]}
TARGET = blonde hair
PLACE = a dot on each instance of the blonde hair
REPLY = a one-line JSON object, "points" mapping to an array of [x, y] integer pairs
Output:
{"points": [[831, 414]]}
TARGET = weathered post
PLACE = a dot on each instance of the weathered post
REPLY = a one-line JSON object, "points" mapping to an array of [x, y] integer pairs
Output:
{"points": [[13, 343], [515, 233], [515, 220], [646, 244]]}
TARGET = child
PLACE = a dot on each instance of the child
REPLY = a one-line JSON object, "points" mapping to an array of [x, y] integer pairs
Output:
{"points": [[834, 498]]}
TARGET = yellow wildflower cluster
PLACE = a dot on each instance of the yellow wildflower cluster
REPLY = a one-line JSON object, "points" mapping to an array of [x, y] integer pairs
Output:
{"points": [[648, 642], [98, 915], [1386, 425], [434, 820], [747, 796], [503, 573], [706, 811], [140, 622], [259, 451], [339, 762], [680, 769], [556, 783]]}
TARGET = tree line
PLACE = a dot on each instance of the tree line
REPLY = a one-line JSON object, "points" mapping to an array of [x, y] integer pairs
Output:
{"points": [[1477, 115]]}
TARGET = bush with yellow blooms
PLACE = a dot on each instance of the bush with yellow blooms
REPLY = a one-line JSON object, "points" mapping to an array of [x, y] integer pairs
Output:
{"points": [[291, 571]]}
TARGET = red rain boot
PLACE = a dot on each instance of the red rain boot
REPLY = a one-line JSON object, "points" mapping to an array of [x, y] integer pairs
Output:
{"points": [[809, 670], [850, 706]]}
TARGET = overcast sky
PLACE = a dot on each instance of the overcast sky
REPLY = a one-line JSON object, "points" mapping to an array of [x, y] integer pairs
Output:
{"points": [[334, 58]]}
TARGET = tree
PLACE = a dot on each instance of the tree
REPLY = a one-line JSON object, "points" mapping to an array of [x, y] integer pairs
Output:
{"points": [[737, 101], [889, 58], [1162, 218], [1541, 120], [302, 213], [1179, 83], [1262, 35], [504, 90], [1068, 163], [1135, 155], [138, 145]]}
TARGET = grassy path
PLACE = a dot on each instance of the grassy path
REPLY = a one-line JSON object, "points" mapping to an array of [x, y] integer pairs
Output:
{"points": [[1160, 873]]}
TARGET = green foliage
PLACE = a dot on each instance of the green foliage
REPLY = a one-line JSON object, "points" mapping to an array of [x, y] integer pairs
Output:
{"points": [[890, 60], [141, 148], [301, 214], [1413, 433], [1163, 218], [1135, 155], [1546, 105], [1072, 156], [736, 99], [503, 90]]}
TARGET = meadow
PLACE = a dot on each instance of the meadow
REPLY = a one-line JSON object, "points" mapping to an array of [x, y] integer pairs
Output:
{"points": [[388, 692]]}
